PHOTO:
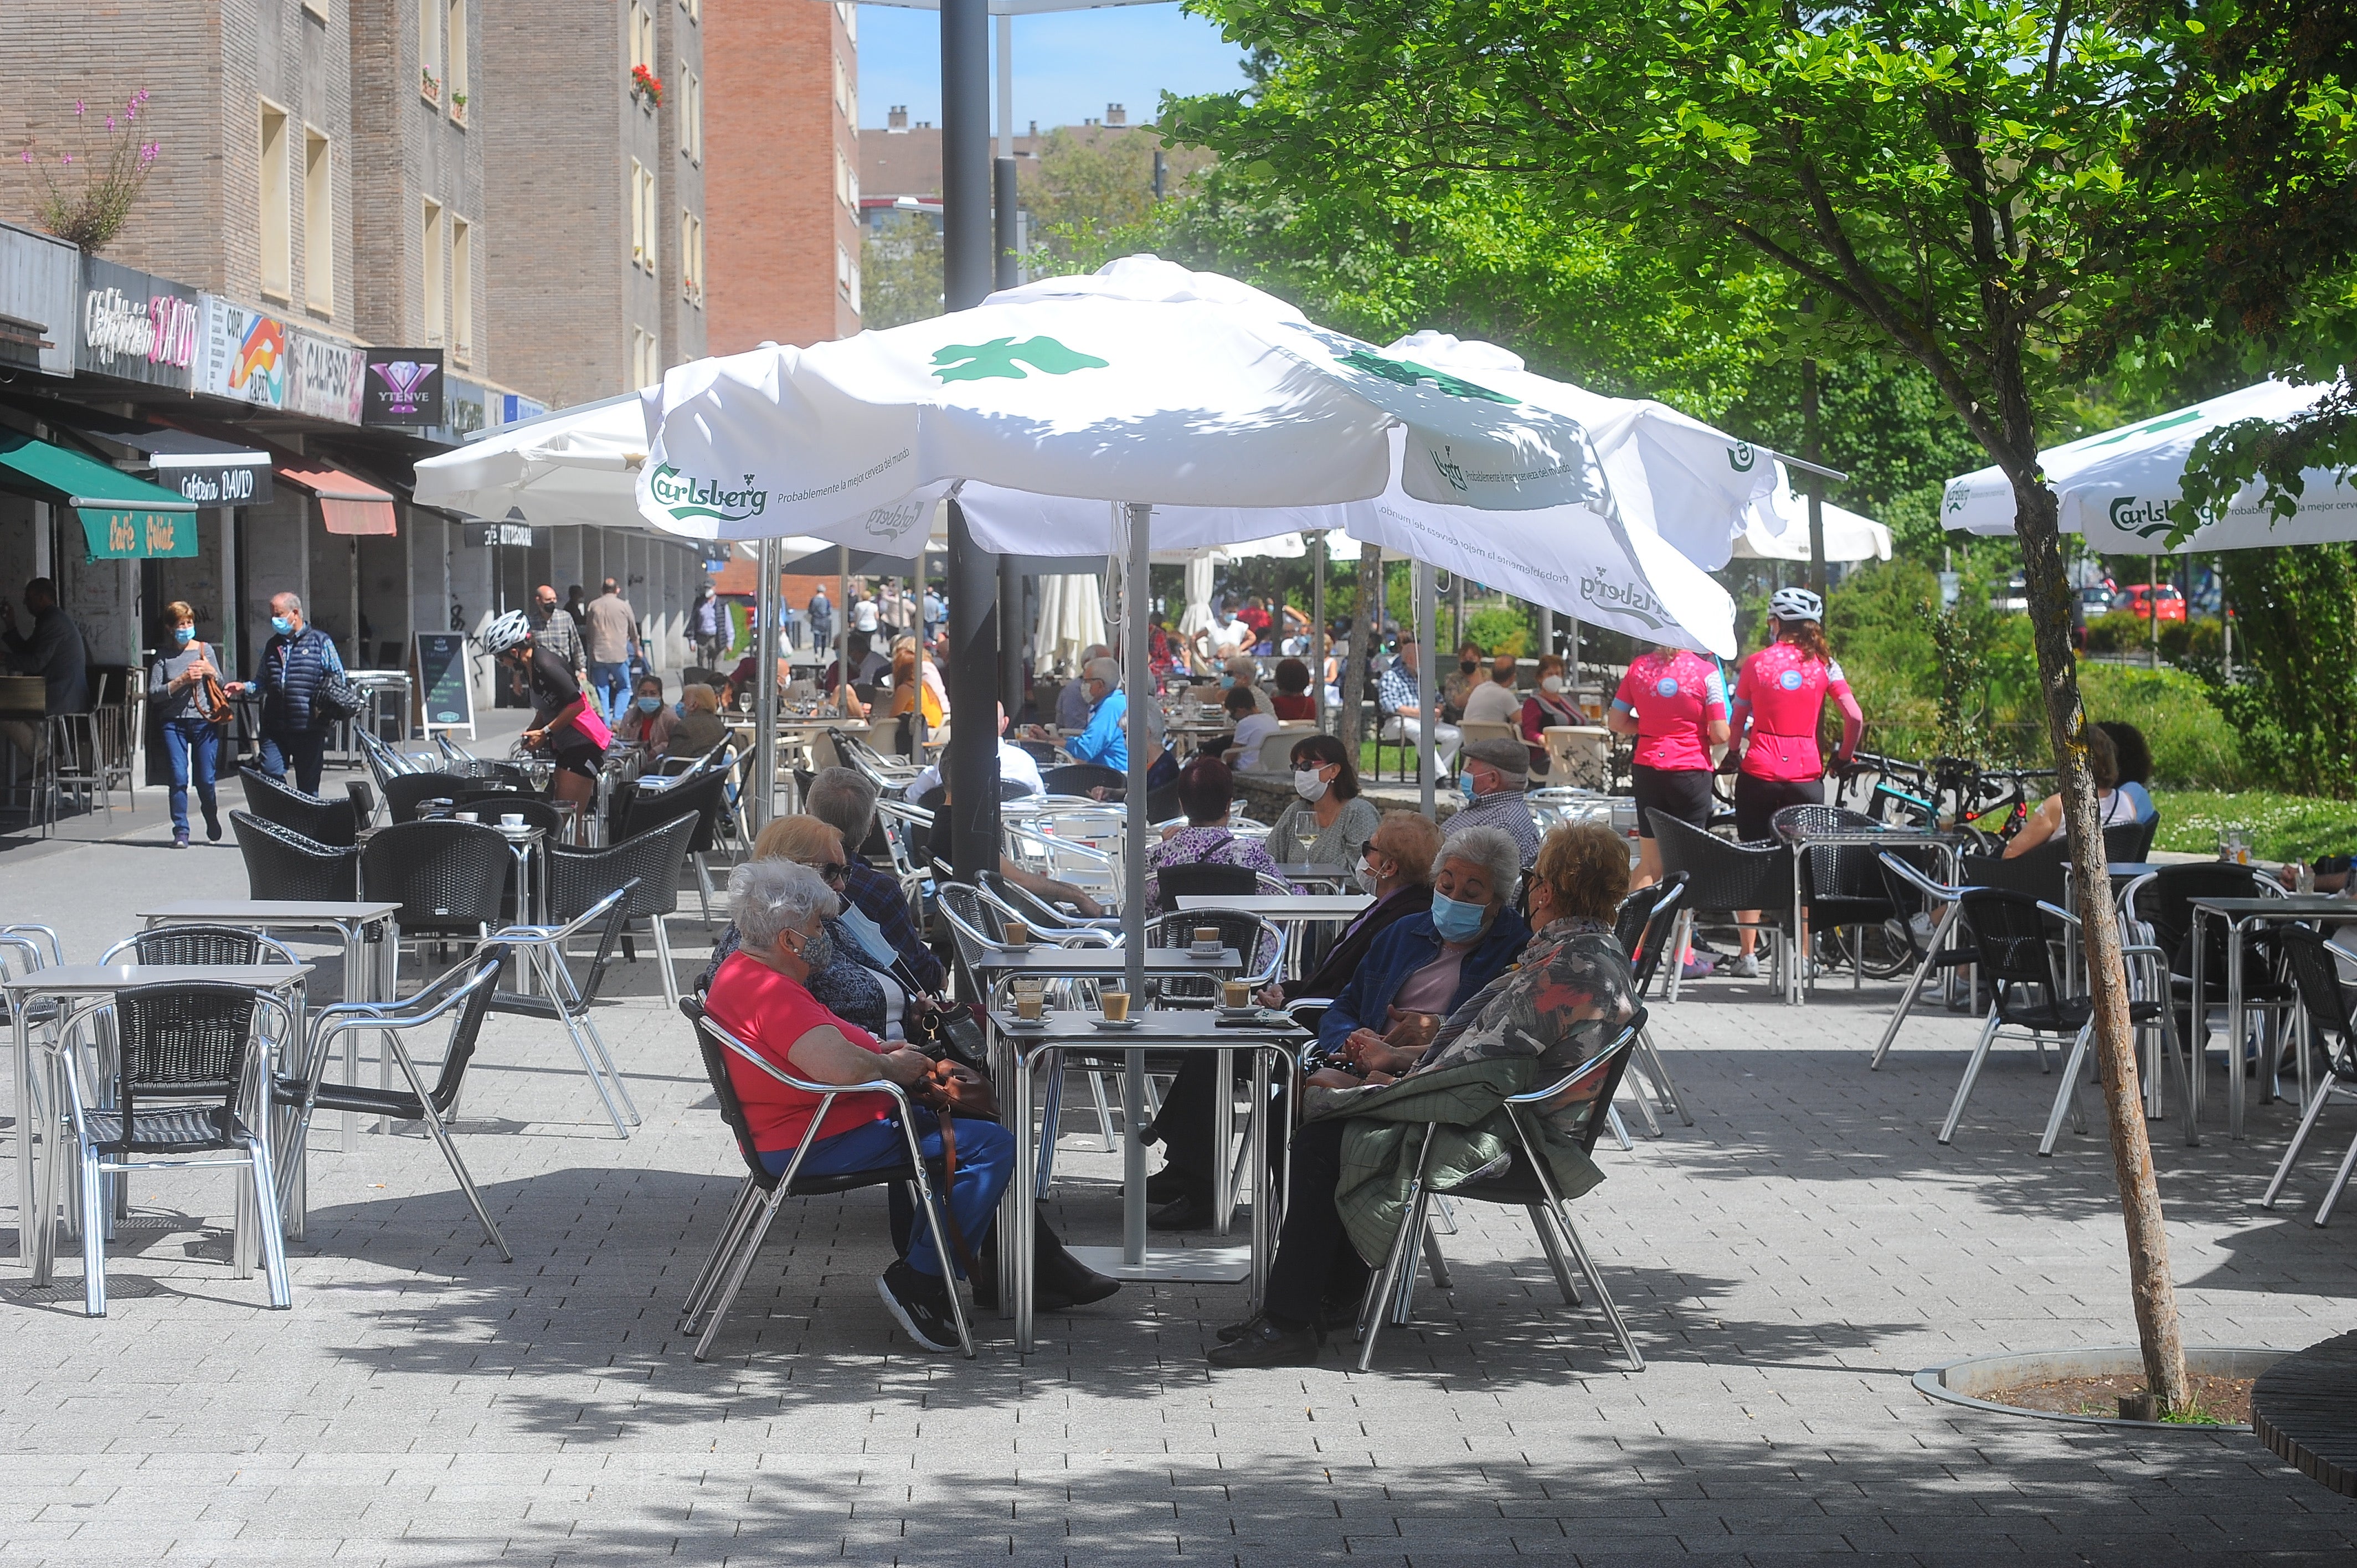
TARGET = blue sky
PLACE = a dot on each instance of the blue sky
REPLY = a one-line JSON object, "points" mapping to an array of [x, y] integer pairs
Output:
{"points": [[1068, 66]]}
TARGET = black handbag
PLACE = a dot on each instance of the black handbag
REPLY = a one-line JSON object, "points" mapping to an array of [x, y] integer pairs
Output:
{"points": [[339, 696]]}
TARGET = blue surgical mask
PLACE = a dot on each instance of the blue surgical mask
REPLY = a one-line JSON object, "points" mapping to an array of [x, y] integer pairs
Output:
{"points": [[183, 633], [649, 704], [869, 935], [1227, 680], [679, 708], [1465, 783], [282, 625], [1456, 921]]}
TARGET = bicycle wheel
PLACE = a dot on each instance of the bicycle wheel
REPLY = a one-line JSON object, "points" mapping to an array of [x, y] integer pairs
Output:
{"points": [[1882, 950]]}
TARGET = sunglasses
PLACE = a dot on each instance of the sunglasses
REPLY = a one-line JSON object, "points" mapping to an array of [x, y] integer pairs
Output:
{"points": [[834, 871]]}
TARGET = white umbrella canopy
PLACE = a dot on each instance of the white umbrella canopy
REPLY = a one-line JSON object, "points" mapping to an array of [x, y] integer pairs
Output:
{"points": [[573, 465], [1777, 529], [1198, 613], [2115, 488], [1072, 617]]}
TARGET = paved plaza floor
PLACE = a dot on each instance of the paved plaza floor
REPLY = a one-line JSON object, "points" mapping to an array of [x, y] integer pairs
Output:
{"points": [[1786, 1265]]}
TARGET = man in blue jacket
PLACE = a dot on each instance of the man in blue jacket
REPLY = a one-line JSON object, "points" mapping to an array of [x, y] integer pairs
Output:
{"points": [[295, 662], [1105, 742], [1425, 966]]}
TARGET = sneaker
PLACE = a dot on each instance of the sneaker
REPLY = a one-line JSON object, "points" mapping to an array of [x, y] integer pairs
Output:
{"points": [[1742, 966], [1260, 1343], [212, 824], [921, 1305], [1698, 966], [179, 838]]}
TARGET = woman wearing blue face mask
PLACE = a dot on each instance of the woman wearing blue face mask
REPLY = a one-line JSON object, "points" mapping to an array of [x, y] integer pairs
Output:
{"points": [[1423, 966], [184, 690], [647, 722]]}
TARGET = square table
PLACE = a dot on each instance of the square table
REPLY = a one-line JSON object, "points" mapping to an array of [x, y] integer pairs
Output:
{"points": [[1293, 911], [1269, 1036], [1950, 842], [360, 923], [2240, 915], [1315, 871], [39, 1098]]}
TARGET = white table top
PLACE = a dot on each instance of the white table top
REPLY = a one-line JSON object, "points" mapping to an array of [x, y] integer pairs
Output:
{"points": [[1042, 958], [269, 912], [1295, 906], [90, 978]]}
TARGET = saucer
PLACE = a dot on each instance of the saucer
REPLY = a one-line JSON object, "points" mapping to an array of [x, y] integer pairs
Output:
{"points": [[1022, 1025], [1251, 1010], [1215, 954], [1110, 1023]]}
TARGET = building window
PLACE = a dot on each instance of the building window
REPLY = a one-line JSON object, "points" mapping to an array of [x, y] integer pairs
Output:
{"points": [[646, 358], [642, 216], [318, 224], [457, 53], [847, 277], [842, 86], [691, 114], [430, 297], [429, 51], [277, 259], [462, 290], [693, 9], [642, 38], [691, 258]]}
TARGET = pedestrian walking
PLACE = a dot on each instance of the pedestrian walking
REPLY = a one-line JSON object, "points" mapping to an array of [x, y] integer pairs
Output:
{"points": [[609, 628], [821, 620], [560, 634], [708, 622], [185, 692], [295, 661]]}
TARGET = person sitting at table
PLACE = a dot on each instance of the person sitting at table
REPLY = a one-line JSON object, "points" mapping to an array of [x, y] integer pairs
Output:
{"points": [[1254, 727], [564, 722], [1072, 702], [1548, 705], [1106, 740], [1425, 966], [910, 690], [1242, 673], [1395, 867], [1015, 766], [55, 652], [1330, 822], [1495, 701], [646, 724], [1292, 701], [1527, 1027], [739, 683], [1492, 777], [2112, 806], [845, 798], [1207, 792], [2135, 756], [696, 725]]}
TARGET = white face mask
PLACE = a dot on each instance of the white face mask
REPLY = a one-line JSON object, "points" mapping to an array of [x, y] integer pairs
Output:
{"points": [[1552, 685], [1367, 879], [1308, 786]]}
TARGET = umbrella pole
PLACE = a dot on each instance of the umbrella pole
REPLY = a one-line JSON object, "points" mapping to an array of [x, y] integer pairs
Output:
{"points": [[1428, 697], [842, 629], [1132, 889], [765, 694], [1318, 624]]}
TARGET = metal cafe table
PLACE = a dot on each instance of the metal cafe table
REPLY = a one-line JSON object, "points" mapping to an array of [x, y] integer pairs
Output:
{"points": [[1271, 1037], [1292, 910], [40, 1096], [1947, 842], [2240, 915]]}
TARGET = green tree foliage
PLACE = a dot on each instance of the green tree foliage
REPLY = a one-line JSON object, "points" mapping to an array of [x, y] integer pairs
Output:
{"points": [[1094, 183], [2297, 609], [901, 270]]}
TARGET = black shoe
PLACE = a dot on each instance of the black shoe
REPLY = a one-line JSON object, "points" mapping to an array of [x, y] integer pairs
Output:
{"points": [[1057, 1270], [1260, 1343], [1167, 1185], [1229, 1333], [213, 823], [1192, 1212], [920, 1303]]}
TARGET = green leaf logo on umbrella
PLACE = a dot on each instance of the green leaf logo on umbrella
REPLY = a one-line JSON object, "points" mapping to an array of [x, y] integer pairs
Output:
{"points": [[1004, 358], [1407, 373]]}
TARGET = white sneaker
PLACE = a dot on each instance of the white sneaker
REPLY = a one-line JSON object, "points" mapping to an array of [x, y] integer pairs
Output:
{"points": [[1742, 966]]}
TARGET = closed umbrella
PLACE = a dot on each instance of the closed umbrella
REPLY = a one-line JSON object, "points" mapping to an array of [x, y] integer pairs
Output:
{"points": [[1072, 617]]}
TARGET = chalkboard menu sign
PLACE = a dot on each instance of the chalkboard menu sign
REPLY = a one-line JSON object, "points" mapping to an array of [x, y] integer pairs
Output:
{"points": [[446, 697]]}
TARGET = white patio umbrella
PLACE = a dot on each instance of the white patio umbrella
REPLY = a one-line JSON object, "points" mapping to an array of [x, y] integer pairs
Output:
{"points": [[1777, 529], [2115, 488], [1072, 617], [1198, 613]]}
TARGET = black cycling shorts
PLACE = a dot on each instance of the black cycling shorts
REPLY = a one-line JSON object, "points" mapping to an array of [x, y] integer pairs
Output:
{"points": [[584, 759], [1757, 802], [1680, 792]]}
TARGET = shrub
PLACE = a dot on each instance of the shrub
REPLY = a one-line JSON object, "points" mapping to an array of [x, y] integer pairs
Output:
{"points": [[2193, 744], [1500, 630], [2281, 827]]}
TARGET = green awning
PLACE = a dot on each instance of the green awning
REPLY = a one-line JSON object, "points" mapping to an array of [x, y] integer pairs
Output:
{"points": [[123, 518]]}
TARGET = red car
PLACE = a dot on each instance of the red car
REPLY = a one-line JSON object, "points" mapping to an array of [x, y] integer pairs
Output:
{"points": [[2146, 602]]}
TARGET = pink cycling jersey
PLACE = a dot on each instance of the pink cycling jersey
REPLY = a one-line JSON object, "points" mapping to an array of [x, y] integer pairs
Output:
{"points": [[1673, 698], [1784, 689]]}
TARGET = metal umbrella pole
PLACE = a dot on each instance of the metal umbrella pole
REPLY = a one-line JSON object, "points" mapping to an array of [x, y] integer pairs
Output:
{"points": [[1134, 575], [765, 694], [842, 626], [1318, 626], [1428, 697]]}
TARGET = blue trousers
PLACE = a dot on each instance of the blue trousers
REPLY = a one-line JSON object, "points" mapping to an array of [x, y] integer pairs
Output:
{"points": [[192, 744], [303, 750], [986, 1162], [611, 685]]}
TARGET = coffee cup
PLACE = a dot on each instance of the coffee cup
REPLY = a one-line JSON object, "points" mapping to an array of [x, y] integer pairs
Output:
{"points": [[1207, 936], [1236, 993], [1029, 1003], [512, 819], [1016, 934], [470, 816], [1115, 1005]]}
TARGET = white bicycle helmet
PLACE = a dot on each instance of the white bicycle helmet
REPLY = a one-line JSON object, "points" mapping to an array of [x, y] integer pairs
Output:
{"points": [[1796, 603], [511, 630]]}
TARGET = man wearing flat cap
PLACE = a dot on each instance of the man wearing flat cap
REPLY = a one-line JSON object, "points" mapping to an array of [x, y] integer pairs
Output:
{"points": [[1492, 775]]}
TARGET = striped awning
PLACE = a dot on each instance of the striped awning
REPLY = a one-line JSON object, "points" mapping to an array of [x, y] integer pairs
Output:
{"points": [[346, 504]]}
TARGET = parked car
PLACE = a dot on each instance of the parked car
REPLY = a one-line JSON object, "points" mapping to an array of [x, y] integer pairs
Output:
{"points": [[2095, 599], [2013, 597], [2149, 603]]}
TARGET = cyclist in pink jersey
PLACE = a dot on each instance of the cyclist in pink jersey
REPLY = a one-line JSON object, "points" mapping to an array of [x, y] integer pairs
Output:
{"points": [[1780, 693], [1675, 701]]}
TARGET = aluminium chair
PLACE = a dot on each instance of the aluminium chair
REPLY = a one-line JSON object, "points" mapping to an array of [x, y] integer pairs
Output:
{"points": [[539, 951], [2317, 973], [757, 1201], [653, 860], [1646, 928], [1521, 1178]]}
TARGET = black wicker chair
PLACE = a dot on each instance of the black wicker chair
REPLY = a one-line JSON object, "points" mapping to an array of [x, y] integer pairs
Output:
{"points": [[450, 878], [199, 944], [705, 794], [2317, 973], [652, 860], [1842, 890], [404, 792], [283, 863], [462, 994], [1724, 878], [184, 1060], [1079, 777], [1525, 1182], [320, 821]]}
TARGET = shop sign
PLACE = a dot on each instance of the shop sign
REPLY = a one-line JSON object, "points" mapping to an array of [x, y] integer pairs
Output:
{"points": [[134, 533], [515, 406], [136, 326], [329, 377], [402, 387], [40, 284], [219, 484], [245, 354], [484, 535]]}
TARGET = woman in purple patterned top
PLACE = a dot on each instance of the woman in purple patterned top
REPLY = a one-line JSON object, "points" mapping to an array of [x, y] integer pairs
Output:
{"points": [[1206, 793]]}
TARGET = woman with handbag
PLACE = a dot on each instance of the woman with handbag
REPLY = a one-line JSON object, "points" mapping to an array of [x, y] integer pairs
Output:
{"points": [[185, 689]]}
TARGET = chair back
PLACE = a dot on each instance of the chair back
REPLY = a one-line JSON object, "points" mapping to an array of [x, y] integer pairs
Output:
{"points": [[478, 977], [1079, 777], [182, 1044], [2011, 939], [1207, 879], [1642, 927], [448, 877], [1580, 1103], [577, 878], [2316, 974], [704, 794], [404, 792], [1259, 943], [1844, 879], [2167, 903], [283, 863], [199, 944], [1722, 876], [724, 1091], [322, 821]]}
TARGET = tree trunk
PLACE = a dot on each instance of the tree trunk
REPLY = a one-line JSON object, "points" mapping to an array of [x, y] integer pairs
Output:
{"points": [[1365, 626], [2150, 1285], [1812, 449]]}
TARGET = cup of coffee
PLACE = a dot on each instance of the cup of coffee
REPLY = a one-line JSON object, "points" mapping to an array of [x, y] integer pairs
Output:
{"points": [[512, 819], [1029, 1003], [1017, 934], [1115, 1005], [1207, 936], [470, 816], [1236, 993]]}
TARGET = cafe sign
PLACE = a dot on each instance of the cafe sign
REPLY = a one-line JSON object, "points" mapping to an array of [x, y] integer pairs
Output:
{"points": [[244, 354], [134, 533], [136, 326]]}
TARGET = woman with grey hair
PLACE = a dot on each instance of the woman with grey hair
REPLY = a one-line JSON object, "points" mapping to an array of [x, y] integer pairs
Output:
{"points": [[761, 995]]}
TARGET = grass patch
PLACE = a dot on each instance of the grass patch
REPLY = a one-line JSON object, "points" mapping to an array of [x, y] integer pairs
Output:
{"points": [[2281, 827]]}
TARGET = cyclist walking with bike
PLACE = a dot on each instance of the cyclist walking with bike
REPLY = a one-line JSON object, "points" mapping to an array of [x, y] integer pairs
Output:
{"points": [[1779, 698]]}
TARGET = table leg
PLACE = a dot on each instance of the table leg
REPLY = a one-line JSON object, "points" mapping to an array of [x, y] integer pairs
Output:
{"points": [[1264, 1187], [1133, 1158], [2236, 1025], [1223, 1132], [359, 980], [1002, 1071], [2199, 1046], [1017, 1257], [25, 1183]]}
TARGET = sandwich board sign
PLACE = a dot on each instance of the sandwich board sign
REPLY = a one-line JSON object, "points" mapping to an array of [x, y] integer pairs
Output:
{"points": [[445, 696]]}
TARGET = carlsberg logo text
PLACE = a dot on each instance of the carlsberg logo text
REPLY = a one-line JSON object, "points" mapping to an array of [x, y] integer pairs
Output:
{"points": [[2144, 520], [684, 495]]}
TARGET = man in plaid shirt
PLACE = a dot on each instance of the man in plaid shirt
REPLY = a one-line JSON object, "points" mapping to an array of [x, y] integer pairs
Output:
{"points": [[846, 801]]}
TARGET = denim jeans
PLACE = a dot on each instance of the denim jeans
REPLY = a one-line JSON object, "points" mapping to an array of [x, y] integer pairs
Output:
{"points": [[986, 1160], [192, 744], [303, 749], [610, 683]]}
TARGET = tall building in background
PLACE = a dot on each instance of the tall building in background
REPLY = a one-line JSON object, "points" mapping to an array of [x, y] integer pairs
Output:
{"points": [[783, 183]]}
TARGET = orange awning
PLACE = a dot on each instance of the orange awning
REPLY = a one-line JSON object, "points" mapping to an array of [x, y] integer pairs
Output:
{"points": [[347, 505]]}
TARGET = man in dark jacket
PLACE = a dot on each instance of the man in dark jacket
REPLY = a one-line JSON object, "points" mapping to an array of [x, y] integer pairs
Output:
{"points": [[296, 661], [54, 651]]}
